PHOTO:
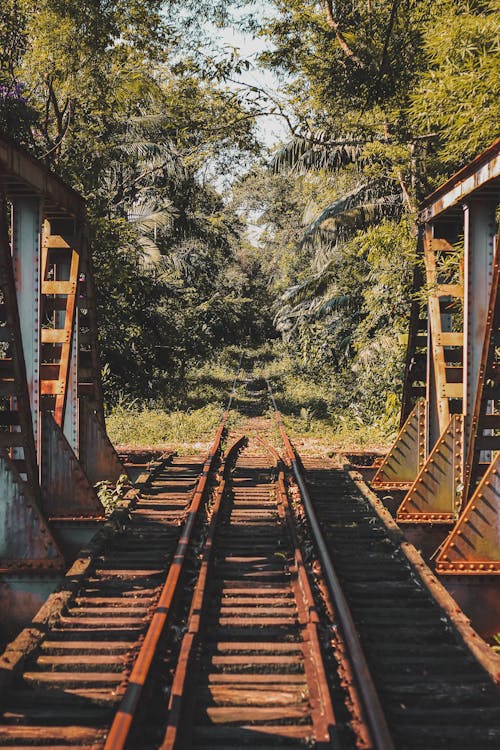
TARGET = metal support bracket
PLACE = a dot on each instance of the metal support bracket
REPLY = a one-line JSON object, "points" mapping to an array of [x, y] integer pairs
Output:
{"points": [[436, 494], [66, 489], [24, 534], [402, 464], [474, 544], [98, 457]]}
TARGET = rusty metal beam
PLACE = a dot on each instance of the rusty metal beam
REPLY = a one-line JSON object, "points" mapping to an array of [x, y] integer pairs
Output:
{"points": [[463, 414], [97, 455], [483, 418], [41, 273], [481, 173], [473, 546], [66, 488], [24, 176]]}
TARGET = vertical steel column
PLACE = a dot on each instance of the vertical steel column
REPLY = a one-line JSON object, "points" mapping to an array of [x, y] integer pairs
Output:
{"points": [[26, 229], [479, 239], [431, 396], [71, 412], [433, 430], [70, 418]]}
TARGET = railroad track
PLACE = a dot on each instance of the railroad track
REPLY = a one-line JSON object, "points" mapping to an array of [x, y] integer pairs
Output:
{"points": [[433, 691], [71, 686], [215, 619], [251, 670]]}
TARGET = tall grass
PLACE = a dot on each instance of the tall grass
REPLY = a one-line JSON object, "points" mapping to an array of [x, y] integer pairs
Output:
{"points": [[141, 427]]}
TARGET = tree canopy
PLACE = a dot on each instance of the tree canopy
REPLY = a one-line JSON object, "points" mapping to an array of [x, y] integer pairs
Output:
{"points": [[313, 242]]}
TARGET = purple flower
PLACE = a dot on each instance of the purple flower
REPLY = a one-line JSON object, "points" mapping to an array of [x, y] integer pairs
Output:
{"points": [[12, 93]]}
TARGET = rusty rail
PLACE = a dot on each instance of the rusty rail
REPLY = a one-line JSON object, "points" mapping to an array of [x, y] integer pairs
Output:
{"points": [[120, 728], [189, 640], [252, 610], [372, 709]]}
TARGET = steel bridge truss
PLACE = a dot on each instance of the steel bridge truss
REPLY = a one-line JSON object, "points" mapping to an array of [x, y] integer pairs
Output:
{"points": [[53, 442], [447, 454]]}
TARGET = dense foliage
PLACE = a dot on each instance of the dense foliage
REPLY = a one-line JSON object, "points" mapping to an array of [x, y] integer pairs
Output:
{"points": [[387, 99], [124, 99], [101, 92]]}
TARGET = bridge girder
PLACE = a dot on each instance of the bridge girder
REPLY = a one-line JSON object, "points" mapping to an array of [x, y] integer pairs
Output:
{"points": [[452, 362], [53, 441]]}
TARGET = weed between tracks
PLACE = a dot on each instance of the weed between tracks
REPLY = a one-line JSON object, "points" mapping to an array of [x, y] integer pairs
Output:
{"points": [[188, 425]]}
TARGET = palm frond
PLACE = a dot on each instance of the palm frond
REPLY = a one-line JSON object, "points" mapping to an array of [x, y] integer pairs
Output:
{"points": [[360, 208], [312, 286], [150, 250], [148, 217], [318, 150]]}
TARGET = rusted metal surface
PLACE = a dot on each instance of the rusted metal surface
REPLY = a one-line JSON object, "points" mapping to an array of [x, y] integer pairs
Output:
{"points": [[62, 475], [481, 172], [97, 455], [436, 494], [406, 457], [417, 643], [48, 349], [88, 383], [119, 731], [60, 269], [15, 415], [25, 538], [25, 227], [463, 415], [484, 422], [480, 230], [25, 176], [247, 665], [445, 304], [370, 703], [485, 655], [70, 670], [18, 651], [473, 547], [250, 668]]}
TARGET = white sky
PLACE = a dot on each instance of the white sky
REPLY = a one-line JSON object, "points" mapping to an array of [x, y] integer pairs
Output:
{"points": [[272, 128]]}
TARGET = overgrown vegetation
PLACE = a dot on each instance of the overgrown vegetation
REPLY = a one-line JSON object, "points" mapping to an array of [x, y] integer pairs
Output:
{"points": [[313, 244], [111, 494]]}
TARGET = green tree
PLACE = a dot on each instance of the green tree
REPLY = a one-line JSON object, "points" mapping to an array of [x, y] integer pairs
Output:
{"points": [[457, 97]]}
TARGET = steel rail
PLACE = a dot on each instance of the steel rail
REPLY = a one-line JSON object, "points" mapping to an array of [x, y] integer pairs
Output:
{"points": [[373, 711], [177, 694], [122, 722], [323, 716]]}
